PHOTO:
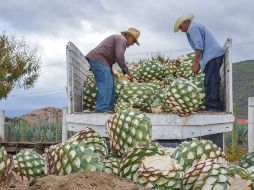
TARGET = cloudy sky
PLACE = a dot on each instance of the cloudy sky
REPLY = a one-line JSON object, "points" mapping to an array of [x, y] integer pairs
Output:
{"points": [[48, 25]]}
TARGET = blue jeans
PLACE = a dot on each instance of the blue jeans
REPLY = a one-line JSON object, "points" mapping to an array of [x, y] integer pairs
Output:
{"points": [[212, 84], [105, 84]]}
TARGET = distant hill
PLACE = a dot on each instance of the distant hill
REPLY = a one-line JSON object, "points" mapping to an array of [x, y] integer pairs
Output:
{"points": [[243, 85], [44, 116]]}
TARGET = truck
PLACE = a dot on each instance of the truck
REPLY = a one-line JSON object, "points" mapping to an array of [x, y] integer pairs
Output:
{"points": [[167, 128]]}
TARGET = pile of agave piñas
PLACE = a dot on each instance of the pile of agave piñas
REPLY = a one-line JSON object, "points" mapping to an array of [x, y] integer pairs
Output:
{"points": [[162, 85], [165, 86], [133, 154]]}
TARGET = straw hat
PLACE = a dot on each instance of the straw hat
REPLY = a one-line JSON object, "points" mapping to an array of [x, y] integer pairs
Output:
{"points": [[181, 19], [133, 32]]}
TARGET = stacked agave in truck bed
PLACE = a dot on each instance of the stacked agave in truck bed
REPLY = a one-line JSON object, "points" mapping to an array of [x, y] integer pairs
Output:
{"points": [[159, 104], [84, 151], [183, 97], [184, 68], [185, 92], [150, 70], [199, 82], [163, 86], [142, 95], [90, 93], [137, 95]]}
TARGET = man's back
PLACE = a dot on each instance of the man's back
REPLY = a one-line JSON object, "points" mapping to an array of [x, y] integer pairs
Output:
{"points": [[201, 38], [108, 50]]}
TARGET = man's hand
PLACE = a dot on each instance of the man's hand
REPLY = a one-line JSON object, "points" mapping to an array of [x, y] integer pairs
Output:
{"points": [[196, 65], [195, 68], [131, 77], [114, 74], [177, 62]]}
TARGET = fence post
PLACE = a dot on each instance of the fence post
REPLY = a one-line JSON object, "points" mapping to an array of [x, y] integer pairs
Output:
{"points": [[64, 125], [2, 122], [251, 124]]}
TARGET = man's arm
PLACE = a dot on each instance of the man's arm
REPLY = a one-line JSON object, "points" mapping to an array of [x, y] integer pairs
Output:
{"points": [[196, 65], [120, 48], [197, 40]]}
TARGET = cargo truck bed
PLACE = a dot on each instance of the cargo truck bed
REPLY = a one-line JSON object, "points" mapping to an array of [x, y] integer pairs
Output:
{"points": [[165, 127]]}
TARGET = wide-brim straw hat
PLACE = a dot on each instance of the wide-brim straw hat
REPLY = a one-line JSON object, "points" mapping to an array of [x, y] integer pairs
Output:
{"points": [[133, 32], [181, 19]]}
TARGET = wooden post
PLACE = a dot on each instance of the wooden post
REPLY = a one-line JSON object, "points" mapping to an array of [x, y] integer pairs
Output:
{"points": [[2, 122], [251, 124], [64, 125], [234, 132], [228, 77]]}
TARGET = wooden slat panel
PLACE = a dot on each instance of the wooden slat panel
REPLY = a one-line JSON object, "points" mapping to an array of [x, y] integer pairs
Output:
{"points": [[77, 100], [79, 75], [75, 63], [78, 83], [77, 78], [77, 71], [78, 86], [78, 91], [82, 63], [76, 51]]}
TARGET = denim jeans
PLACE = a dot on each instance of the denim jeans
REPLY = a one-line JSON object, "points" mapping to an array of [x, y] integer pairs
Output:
{"points": [[105, 84], [212, 84]]}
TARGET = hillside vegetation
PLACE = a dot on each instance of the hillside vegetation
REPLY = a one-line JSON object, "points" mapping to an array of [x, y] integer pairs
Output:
{"points": [[243, 85]]}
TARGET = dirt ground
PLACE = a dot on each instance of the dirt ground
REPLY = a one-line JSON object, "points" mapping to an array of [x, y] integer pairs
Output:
{"points": [[77, 181]]}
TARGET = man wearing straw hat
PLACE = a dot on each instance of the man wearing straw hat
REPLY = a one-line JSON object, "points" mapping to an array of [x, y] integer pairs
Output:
{"points": [[101, 60], [209, 57]]}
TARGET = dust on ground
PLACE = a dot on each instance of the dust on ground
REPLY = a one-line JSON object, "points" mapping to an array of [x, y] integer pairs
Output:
{"points": [[77, 181]]}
